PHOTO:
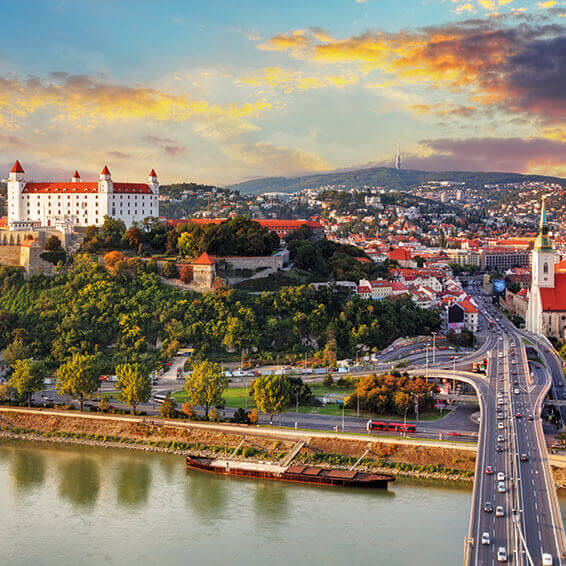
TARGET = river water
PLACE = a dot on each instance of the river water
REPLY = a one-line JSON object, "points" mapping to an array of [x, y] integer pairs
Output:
{"points": [[80, 506]]}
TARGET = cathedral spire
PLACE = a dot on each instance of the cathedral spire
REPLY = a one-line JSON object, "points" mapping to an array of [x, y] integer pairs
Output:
{"points": [[543, 241]]}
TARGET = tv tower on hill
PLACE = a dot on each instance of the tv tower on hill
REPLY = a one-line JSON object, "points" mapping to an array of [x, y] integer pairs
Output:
{"points": [[398, 158]]}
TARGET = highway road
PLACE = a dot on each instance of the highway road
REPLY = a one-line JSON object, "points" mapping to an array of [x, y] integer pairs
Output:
{"points": [[511, 442]]}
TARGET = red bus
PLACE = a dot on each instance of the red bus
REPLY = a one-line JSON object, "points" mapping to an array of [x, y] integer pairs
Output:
{"points": [[391, 427]]}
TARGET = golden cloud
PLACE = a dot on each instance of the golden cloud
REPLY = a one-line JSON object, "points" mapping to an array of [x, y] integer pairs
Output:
{"points": [[82, 99], [518, 68], [277, 159], [444, 109], [291, 81]]}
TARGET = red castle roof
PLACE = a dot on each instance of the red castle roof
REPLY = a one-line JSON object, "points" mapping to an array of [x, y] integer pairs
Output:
{"points": [[152, 173], [105, 171], [76, 175], [204, 259], [84, 187], [17, 168]]}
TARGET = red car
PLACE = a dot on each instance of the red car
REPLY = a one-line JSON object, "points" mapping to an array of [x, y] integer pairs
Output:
{"points": [[489, 470]]}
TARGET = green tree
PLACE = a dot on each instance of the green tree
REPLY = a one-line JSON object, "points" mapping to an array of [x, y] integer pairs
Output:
{"points": [[271, 394], [79, 377], [27, 378], [133, 384], [205, 385], [14, 352], [170, 271], [53, 244]]}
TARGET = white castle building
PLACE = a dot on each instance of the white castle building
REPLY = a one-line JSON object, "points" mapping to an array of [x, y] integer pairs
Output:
{"points": [[546, 311], [78, 203]]}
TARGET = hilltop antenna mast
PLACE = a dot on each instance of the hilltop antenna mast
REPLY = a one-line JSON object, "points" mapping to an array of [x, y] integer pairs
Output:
{"points": [[398, 158]]}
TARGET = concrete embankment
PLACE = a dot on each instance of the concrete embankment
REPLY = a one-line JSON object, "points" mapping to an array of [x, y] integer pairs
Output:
{"points": [[407, 458], [412, 458]]}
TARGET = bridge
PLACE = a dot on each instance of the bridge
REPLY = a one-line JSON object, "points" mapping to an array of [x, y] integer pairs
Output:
{"points": [[519, 510]]}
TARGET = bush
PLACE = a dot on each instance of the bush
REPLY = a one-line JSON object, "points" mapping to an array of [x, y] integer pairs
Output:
{"points": [[253, 416], [241, 417], [54, 257], [169, 408]]}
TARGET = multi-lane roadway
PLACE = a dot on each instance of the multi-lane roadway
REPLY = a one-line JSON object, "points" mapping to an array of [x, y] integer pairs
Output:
{"points": [[515, 516]]}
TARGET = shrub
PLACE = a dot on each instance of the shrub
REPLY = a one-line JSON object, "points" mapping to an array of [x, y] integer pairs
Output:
{"points": [[241, 416]]}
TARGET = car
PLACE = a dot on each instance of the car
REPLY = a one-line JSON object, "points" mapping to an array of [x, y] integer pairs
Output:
{"points": [[524, 458], [500, 476], [500, 416], [518, 415], [501, 554], [500, 438], [485, 539], [546, 559], [488, 507], [500, 401], [499, 448], [499, 511], [489, 470], [499, 409], [501, 487], [500, 426], [516, 391], [516, 382]]}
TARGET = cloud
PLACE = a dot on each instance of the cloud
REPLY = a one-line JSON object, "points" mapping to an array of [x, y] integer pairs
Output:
{"points": [[270, 159], [86, 101], [534, 155], [444, 109], [169, 146], [119, 155], [519, 69], [290, 81]]}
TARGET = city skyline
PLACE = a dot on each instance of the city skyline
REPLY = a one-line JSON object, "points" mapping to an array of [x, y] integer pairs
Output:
{"points": [[219, 93]]}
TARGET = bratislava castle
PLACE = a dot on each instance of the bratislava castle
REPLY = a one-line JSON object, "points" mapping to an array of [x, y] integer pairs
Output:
{"points": [[78, 203]]}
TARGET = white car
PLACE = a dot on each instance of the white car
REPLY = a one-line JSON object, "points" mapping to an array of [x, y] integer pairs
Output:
{"points": [[546, 559], [501, 487], [500, 476], [501, 554], [485, 539], [500, 425], [500, 438], [516, 391], [499, 511]]}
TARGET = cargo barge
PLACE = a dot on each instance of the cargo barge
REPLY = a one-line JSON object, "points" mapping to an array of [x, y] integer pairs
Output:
{"points": [[297, 473]]}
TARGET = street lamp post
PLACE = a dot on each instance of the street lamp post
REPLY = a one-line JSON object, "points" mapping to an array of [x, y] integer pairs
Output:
{"points": [[426, 372], [434, 348]]}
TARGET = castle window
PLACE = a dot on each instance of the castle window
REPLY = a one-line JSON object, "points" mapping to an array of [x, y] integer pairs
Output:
{"points": [[545, 268]]}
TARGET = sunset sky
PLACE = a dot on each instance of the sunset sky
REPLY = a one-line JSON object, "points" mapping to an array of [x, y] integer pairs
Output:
{"points": [[224, 90]]}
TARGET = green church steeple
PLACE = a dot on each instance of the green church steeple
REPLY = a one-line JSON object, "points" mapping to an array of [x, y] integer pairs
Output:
{"points": [[543, 241]]}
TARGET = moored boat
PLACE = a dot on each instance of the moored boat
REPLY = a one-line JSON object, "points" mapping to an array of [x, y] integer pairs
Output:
{"points": [[297, 473]]}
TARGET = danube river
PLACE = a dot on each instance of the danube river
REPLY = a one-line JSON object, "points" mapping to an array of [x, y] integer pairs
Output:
{"points": [[69, 505]]}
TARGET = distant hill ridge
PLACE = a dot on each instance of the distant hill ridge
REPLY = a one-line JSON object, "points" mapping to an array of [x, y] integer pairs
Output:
{"points": [[386, 177]]}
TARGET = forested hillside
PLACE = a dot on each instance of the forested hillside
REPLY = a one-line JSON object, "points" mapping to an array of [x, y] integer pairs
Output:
{"points": [[125, 314]]}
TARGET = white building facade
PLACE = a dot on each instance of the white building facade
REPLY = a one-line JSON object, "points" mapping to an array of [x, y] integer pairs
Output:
{"points": [[78, 203]]}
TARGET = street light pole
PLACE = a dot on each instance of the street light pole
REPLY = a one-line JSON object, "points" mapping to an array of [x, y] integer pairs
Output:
{"points": [[343, 416], [434, 348]]}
